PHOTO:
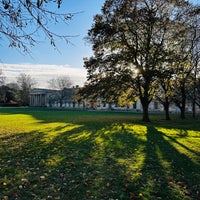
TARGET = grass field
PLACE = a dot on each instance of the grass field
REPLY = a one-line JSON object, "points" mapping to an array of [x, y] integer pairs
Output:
{"points": [[79, 155]]}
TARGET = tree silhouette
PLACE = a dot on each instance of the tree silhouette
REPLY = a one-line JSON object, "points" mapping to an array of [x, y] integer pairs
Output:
{"points": [[22, 21]]}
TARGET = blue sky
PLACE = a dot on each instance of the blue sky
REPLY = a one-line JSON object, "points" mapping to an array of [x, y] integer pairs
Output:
{"points": [[46, 62], [69, 54]]}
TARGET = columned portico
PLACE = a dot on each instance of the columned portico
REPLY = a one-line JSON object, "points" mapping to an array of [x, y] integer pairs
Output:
{"points": [[38, 98]]}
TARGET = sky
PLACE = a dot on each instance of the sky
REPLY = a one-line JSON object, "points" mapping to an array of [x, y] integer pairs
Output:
{"points": [[45, 62]]}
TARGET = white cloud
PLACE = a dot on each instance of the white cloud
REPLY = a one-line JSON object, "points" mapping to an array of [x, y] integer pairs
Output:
{"points": [[43, 73]]}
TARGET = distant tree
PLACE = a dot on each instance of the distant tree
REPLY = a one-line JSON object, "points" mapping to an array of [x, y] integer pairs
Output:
{"points": [[187, 64], [2, 78], [3, 94], [2, 88], [195, 62], [131, 39], [197, 102], [60, 84], [14, 92], [8, 94], [181, 89], [164, 91], [193, 93], [25, 83], [21, 21]]}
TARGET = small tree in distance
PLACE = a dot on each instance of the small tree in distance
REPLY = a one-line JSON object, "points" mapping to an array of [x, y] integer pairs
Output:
{"points": [[25, 83], [61, 83], [2, 78]]}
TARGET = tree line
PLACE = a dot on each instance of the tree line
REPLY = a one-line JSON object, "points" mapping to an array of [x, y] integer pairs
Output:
{"points": [[17, 93], [145, 49]]}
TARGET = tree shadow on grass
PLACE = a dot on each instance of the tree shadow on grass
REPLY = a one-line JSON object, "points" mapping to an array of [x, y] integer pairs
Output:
{"points": [[174, 140], [78, 163], [90, 169], [101, 161], [168, 173]]}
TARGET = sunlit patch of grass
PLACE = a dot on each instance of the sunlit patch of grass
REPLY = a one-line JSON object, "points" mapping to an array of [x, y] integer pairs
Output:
{"points": [[168, 131], [185, 141], [119, 150], [84, 135], [52, 130], [16, 123], [52, 160], [134, 163], [164, 163], [137, 130]]}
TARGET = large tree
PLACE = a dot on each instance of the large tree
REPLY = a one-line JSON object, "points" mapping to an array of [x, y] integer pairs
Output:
{"points": [[131, 40], [22, 21]]}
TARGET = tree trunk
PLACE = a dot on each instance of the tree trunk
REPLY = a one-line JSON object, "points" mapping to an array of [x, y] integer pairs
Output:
{"points": [[183, 106], [193, 109], [144, 99], [166, 108], [182, 112], [60, 103], [194, 101], [110, 106], [145, 107], [183, 102]]}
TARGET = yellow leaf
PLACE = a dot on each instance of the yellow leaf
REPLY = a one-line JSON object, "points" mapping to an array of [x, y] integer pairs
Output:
{"points": [[4, 183], [107, 184]]}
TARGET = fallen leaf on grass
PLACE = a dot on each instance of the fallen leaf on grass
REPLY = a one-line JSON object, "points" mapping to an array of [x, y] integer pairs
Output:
{"points": [[4, 183], [107, 184], [24, 180], [180, 183], [20, 186], [133, 196], [171, 183], [42, 177]]}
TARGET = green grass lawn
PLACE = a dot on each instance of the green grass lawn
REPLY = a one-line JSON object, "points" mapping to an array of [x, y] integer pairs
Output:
{"points": [[79, 155]]}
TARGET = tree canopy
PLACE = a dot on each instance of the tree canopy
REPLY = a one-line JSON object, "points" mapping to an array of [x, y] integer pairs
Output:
{"points": [[135, 42]]}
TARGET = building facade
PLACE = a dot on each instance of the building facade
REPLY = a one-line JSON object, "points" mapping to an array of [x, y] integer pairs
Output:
{"points": [[54, 98], [64, 99]]}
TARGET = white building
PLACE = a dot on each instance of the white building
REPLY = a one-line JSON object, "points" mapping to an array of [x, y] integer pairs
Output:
{"points": [[51, 98]]}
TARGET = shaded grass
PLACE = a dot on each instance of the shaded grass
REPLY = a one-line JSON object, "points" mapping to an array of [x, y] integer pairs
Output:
{"points": [[75, 155]]}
